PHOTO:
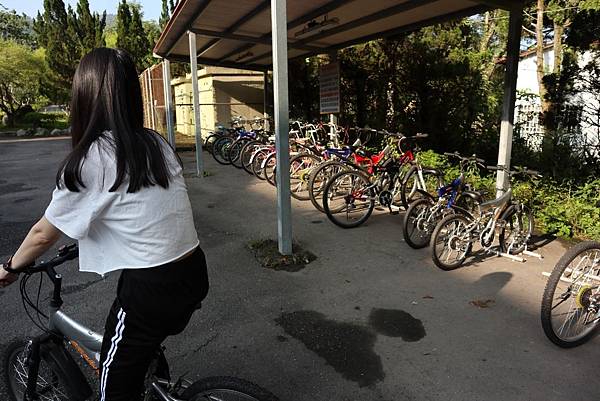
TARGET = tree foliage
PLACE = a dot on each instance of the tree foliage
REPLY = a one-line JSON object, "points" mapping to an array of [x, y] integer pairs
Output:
{"points": [[67, 36], [16, 27], [131, 35], [21, 72]]}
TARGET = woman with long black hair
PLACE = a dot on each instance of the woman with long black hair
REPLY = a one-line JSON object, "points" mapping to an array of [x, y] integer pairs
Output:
{"points": [[121, 193]]}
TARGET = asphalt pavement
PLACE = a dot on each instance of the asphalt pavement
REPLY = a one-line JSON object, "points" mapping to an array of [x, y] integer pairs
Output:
{"points": [[369, 319]]}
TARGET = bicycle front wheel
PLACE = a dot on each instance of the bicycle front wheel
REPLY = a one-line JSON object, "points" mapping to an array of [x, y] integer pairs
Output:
{"points": [[226, 389], [349, 199], [451, 242], [319, 178], [51, 383], [570, 307]]}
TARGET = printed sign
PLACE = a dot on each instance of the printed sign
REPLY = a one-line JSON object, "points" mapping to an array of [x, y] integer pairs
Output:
{"points": [[329, 82]]}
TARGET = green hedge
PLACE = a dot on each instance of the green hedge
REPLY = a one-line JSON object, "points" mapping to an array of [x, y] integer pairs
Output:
{"points": [[45, 120], [561, 208]]}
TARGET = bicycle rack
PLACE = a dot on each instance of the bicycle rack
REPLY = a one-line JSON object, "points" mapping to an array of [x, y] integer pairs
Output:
{"points": [[516, 258]]}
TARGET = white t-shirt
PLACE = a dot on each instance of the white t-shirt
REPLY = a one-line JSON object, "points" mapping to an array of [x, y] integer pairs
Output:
{"points": [[121, 230]]}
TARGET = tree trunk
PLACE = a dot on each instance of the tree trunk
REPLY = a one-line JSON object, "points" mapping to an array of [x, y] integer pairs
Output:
{"points": [[539, 51], [558, 50]]}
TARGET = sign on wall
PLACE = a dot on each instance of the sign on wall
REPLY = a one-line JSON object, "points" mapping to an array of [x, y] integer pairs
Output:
{"points": [[329, 83]]}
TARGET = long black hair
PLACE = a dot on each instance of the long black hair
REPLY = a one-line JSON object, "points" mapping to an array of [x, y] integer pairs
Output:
{"points": [[106, 96]]}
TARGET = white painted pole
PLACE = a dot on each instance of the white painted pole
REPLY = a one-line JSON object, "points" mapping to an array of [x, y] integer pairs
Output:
{"points": [[196, 100], [281, 109], [151, 94], [168, 102], [510, 93]]}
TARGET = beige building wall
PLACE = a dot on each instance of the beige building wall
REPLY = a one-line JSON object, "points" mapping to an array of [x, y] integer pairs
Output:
{"points": [[225, 93]]}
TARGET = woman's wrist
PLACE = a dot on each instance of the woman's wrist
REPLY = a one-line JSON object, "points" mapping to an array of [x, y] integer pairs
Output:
{"points": [[7, 266]]}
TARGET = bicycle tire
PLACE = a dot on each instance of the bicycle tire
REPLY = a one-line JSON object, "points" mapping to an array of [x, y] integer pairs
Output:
{"points": [[220, 152], [246, 155], [50, 376], [269, 169], [235, 152], [405, 191], [437, 232], [412, 212], [257, 162], [203, 388], [550, 289], [315, 188], [300, 190], [507, 216], [210, 141], [331, 213]]}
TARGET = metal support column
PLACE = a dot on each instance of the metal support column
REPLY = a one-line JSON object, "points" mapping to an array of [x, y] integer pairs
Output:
{"points": [[196, 100], [281, 110], [166, 66], [510, 93], [266, 100]]}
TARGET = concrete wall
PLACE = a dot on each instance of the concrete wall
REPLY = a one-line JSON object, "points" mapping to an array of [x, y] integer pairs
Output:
{"points": [[224, 94]]}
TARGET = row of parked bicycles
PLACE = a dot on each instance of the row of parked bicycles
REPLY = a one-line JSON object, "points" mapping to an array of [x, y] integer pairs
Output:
{"points": [[347, 182]]}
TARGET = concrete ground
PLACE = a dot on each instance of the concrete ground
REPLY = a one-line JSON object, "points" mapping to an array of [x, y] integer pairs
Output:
{"points": [[370, 319]]}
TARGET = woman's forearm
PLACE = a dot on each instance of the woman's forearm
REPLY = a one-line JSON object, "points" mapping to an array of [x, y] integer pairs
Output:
{"points": [[39, 239]]}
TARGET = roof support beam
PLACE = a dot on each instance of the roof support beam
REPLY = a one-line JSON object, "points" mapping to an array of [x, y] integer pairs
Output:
{"points": [[236, 25], [367, 19], [246, 38], [228, 64], [503, 4], [331, 6], [510, 94], [200, 6], [405, 29]]}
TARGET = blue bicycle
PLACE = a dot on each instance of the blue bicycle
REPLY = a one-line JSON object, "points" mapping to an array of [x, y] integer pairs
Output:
{"points": [[423, 214]]}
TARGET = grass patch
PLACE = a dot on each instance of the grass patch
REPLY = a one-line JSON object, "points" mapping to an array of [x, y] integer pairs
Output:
{"points": [[267, 254]]}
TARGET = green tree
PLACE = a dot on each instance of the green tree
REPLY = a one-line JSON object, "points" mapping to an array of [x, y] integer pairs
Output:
{"points": [[90, 27], [55, 31], [21, 71], [16, 27], [131, 35], [164, 15]]}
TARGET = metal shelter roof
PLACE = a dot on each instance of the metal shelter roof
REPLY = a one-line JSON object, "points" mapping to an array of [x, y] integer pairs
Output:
{"points": [[238, 33]]}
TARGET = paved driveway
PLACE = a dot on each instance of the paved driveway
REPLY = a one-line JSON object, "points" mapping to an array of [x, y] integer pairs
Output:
{"points": [[370, 319]]}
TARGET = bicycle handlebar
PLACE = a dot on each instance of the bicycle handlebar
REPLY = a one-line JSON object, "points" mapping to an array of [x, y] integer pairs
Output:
{"points": [[65, 253]]}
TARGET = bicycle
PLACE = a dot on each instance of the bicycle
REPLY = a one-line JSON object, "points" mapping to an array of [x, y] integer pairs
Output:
{"points": [[453, 238], [43, 368], [570, 311], [353, 193], [423, 214]]}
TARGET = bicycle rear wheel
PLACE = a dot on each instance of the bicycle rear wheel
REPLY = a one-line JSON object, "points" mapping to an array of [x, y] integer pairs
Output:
{"points": [[517, 229], [247, 153], [569, 310], [221, 150], [349, 199], [319, 178], [226, 389], [418, 225], [412, 186], [300, 169]]}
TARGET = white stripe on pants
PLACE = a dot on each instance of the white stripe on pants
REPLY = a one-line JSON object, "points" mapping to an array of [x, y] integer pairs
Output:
{"points": [[111, 352]]}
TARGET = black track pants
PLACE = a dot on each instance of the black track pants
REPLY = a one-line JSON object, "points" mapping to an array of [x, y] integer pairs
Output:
{"points": [[151, 304]]}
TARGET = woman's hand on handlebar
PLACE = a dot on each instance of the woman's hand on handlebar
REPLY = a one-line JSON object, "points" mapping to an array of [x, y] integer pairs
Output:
{"points": [[7, 278]]}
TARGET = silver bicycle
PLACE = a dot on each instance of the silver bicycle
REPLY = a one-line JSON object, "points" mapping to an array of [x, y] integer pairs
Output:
{"points": [[43, 368]]}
